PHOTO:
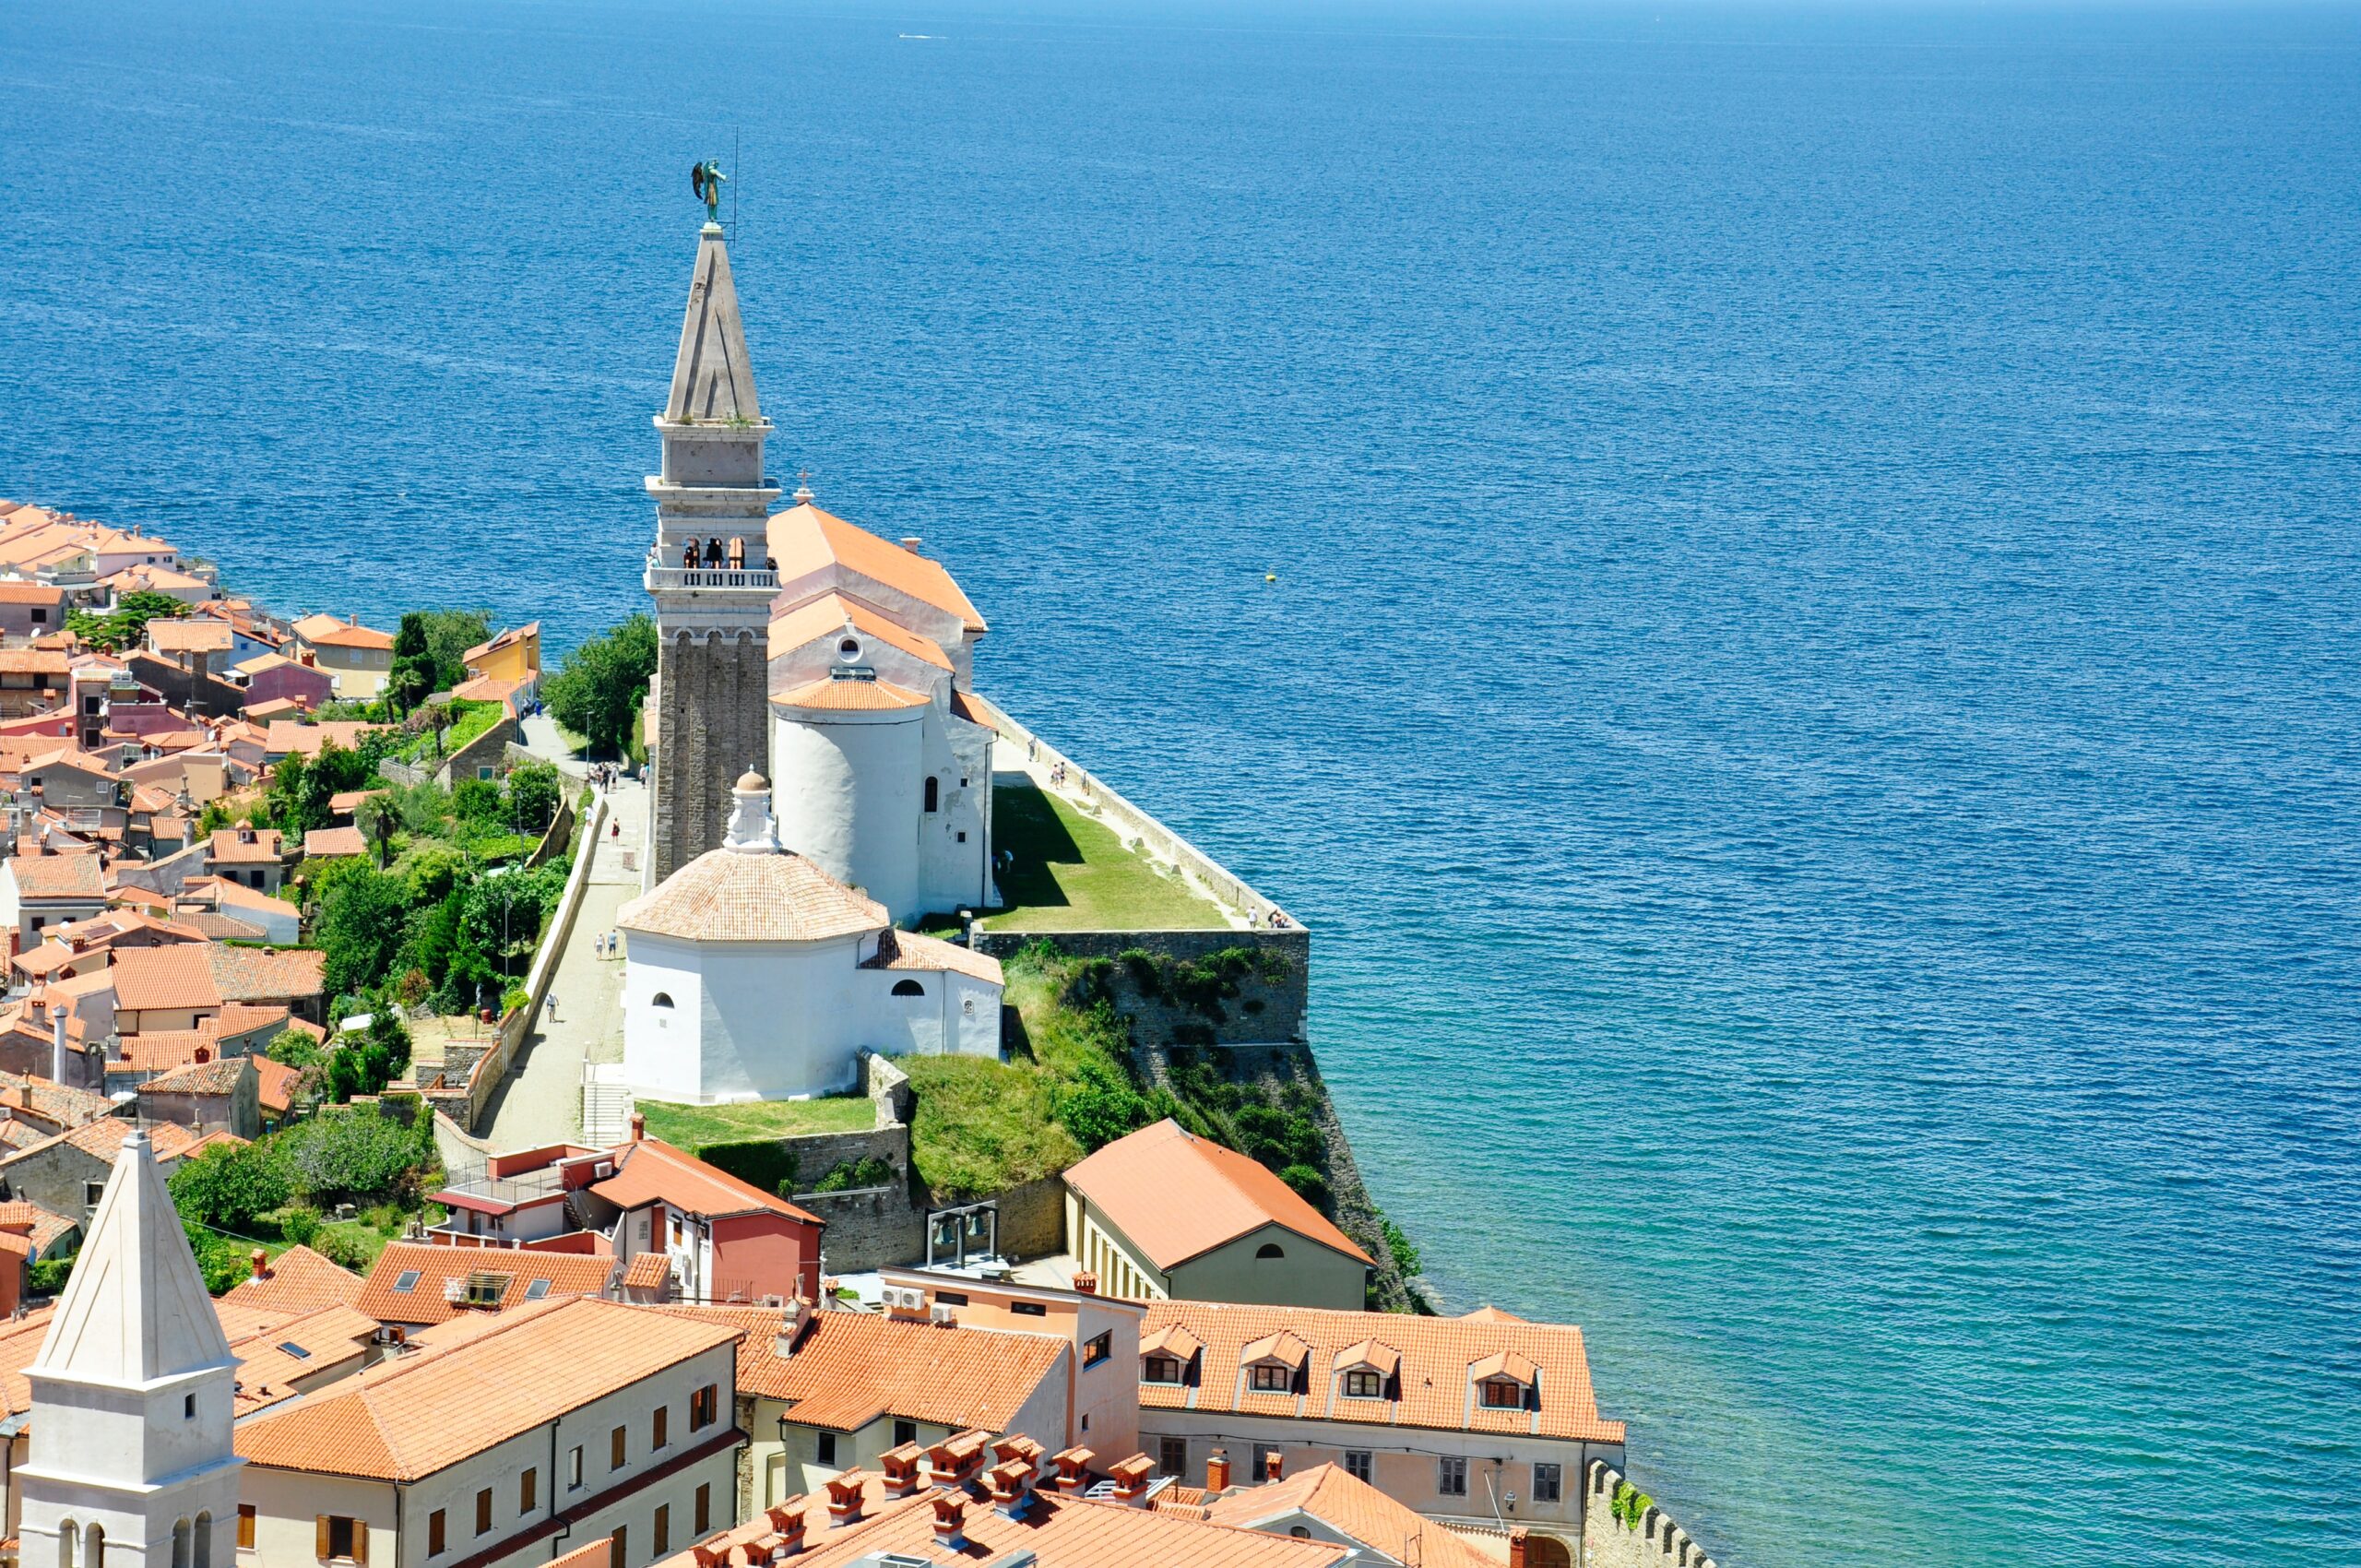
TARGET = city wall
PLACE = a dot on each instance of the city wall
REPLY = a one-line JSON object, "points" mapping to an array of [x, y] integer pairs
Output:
{"points": [[1271, 1001], [1607, 1542]]}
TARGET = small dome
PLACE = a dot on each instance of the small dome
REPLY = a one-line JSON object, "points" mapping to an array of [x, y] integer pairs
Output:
{"points": [[750, 780]]}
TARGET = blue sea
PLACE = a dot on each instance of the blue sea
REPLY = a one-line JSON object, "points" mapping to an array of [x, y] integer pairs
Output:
{"points": [[1809, 691]]}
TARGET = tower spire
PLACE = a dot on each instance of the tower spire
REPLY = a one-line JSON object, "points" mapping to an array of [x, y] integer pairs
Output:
{"points": [[712, 378]]}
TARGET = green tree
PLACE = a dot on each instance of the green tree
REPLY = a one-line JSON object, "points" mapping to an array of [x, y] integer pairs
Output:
{"points": [[534, 791], [230, 1185], [449, 635], [127, 623], [356, 1153], [502, 912], [597, 692], [358, 922]]}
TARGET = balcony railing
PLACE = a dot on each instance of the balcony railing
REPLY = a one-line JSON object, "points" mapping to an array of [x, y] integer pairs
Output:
{"points": [[523, 1187], [710, 577]]}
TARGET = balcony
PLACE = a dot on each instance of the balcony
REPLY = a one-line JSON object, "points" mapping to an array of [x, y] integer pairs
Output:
{"points": [[660, 579], [522, 1188]]}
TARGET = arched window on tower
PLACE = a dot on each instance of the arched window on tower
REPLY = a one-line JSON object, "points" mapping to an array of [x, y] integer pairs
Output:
{"points": [[205, 1541], [180, 1543], [94, 1547], [67, 1530], [933, 793], [908, 987]]}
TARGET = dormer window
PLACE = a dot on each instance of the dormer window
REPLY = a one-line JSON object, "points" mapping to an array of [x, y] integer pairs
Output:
{"points": [[1504, 1393], [1362, 1383], [1160, 1368], [1270, 1377]]}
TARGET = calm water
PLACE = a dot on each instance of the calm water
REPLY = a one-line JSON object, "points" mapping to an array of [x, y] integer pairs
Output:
{"points": [[1811, 687]]}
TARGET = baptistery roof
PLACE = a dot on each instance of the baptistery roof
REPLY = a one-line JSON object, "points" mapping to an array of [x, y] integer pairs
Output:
{"points": [[725, 896]]}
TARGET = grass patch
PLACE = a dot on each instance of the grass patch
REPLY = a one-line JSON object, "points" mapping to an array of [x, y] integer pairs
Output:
{"points": [[982, 1125], [692, 1127], [1069, 872], [470, 720]]}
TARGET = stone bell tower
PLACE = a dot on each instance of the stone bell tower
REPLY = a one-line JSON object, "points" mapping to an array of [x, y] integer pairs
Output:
{"points": [[713, 614]]}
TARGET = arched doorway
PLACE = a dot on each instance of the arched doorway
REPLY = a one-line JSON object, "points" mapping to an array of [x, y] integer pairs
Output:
{"points": [[1546, 1551]]}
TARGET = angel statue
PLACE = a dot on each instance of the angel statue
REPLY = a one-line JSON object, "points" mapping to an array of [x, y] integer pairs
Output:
{"points": [[706, 180]]}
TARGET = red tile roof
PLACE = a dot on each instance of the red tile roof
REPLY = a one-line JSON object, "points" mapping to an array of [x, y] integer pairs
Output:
{"points": [[652, 1169], [1177, 1196], [568, 1274], [298, 1280], [850, 1368]]}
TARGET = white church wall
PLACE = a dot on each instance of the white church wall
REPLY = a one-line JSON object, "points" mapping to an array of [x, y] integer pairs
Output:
{"points": [[780, 1019], [953, 840], [950, 1014], [821, 658], [662, 1046], [846, 794]]}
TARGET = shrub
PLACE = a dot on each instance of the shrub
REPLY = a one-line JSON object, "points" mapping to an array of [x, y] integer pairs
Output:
{"points": [[345, 1248], [300, 1226], [759, 1162], [852, 1175], [230, 1185], [1309, 1184], [50, 1274], [1405, 1256], [358, 1155]]}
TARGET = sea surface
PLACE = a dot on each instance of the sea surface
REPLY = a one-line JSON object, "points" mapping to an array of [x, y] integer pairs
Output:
{"points": [[1808, 691]]}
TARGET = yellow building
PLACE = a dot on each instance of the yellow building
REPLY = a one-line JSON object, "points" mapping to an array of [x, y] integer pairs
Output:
{"points": [[358, 656], [512, 655]]}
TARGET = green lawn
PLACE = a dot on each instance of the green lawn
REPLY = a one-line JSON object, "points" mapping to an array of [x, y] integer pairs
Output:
{"points": [[692, 1127], [1070, 872]]}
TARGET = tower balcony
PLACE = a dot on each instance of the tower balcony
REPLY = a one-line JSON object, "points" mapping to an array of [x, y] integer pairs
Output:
{"points": [[676, 579]]}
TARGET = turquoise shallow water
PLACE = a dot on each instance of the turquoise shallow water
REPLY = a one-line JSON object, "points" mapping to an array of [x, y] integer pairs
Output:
{"points": [[1809, 693]]}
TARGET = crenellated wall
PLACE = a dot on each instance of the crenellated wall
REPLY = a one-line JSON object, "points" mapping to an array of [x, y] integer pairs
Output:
{"points": [[1608, 1543]]}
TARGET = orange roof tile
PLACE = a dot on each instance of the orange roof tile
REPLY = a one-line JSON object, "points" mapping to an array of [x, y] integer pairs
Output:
{"points": [[652, 1170], [288, 735], [199, 635], [1435, 1386], [804, 539], [332, 843], [207, 974], [849, 1368], [724, 896], [1354, 1509], [334, 631], [647, 1271], [827, 616], [58, 876], [275, 1086], [851, 697], [298, 1280], [217, 1076], [568, 1274], [909, 950], [1177, 1196], [230, 847], [407, 1419]]}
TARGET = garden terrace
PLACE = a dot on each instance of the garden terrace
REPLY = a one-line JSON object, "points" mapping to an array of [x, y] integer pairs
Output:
{"points": [[698, 1127], [1068, 871]]}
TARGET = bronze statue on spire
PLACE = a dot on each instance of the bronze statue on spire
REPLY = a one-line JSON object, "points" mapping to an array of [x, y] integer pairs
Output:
{"points": [[706, 180]]}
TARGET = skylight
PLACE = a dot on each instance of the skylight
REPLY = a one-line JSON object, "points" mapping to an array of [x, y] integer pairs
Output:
{"points": [[537, 1289], [295, 1350], [407, 1283]]}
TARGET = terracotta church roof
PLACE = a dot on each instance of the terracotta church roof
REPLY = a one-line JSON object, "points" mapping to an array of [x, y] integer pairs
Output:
{"points": [[727, 895]]}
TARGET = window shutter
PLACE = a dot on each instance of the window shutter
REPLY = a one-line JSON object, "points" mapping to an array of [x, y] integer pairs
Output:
{"points": [[320, 1536], [361, 1541]]}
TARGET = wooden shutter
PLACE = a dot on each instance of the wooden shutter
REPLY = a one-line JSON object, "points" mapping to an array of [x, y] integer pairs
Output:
{"points": [[320, 1537], [361, 1541]]}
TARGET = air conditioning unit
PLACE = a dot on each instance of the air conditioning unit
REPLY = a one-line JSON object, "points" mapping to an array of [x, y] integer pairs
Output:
{"points": [[905, 1299], [942, 1314], [455, 1290], [603, 1170]]}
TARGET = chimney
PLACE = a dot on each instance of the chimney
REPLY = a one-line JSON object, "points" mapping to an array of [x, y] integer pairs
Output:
{"points": [[789, 1522], [844, 1499], [260, 1261], [1131, 1480], [950, 1521], [1217, 1471], [1074, 1471], [1085, 1284], [901, 1467], [1272, 1469], [791, 1325], [1016, 1445], [955, 1460], [705, 1556], [911, 542], [1516, 1548], [638, 1126], [1009, 1483], [57, 1044]]}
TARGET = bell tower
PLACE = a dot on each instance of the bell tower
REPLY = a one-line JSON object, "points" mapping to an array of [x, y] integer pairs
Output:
{"points": [[709, 574]]}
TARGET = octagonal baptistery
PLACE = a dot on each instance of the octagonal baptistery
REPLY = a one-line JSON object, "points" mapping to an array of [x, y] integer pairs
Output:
{"points": [[753, 974]]}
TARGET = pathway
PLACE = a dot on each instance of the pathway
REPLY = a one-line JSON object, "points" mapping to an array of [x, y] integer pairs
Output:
{"points": [[541, 1100]]}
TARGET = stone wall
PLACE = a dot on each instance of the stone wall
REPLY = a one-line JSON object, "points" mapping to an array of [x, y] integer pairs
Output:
{"points": [[488, 750], [1032, 1218], [712, 724], [1607, 1542], [1264, 1012], [868, 1227]]}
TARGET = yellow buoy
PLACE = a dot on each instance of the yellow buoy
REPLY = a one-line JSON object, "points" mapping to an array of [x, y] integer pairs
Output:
{"points": [[1270, 576]]}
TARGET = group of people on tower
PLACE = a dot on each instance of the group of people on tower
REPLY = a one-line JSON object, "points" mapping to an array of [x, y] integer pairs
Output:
{"points": [[717, 555]]}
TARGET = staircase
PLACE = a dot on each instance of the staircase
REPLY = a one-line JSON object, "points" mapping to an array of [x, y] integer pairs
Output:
{"points": [[606, 1104]]}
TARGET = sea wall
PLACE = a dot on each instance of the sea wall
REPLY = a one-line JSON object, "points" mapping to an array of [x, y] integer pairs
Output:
{"points": [[1609, 1542], [1270, 994]]}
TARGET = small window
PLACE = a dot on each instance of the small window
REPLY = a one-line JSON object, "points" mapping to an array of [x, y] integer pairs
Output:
{"points": [[1160, 1368], [933, 793], [340, 1538], [438, 1535], [618, 1447], [1299, 1532], [1360, 1464], [1100, 1346], [537, 1289], [1549, 1483], [91, 1190], [1172, 1456], [661, 999], [908, 987], [704, 1406], [1504, 1393], [1267, 1377], [825, 1444], [406, 1282], [663, 1531], [40, 615], [952, 1298], [1451, 1477], [483, 1511], [905, 1432], [1364, 1385], [1270, 1250], [1029, 1308], [573, 1470], [483, 771], [705, 1507], [527, 1492], [660, 1423], [963, 836]]}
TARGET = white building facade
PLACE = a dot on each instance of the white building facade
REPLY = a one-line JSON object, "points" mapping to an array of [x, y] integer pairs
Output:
{"points": [[753, 974]]}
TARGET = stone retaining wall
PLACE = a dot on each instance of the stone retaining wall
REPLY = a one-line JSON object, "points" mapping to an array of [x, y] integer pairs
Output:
{"points": [[1264, 1012], [1608, 1543]]}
